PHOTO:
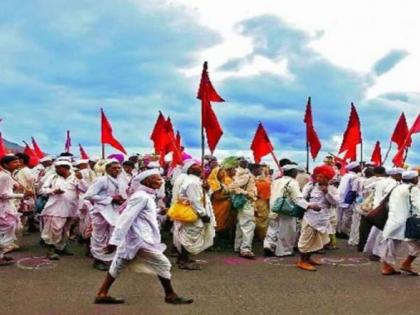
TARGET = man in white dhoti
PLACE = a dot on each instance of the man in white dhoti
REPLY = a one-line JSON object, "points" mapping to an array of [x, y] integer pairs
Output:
{"points": [[9, 216], [244, 184], [282, 230], [403, 202], [62, 190], [348, 194], [193, 238], [137, 242], [106, 195], [383, 186], [25, 177], [316, 225]]}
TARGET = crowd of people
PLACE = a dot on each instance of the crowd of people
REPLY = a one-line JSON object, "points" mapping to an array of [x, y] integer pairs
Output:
{"points": [[118, 208]]}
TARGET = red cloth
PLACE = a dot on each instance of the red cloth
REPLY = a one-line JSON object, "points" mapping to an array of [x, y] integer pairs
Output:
{"points": [[3, 149], [37, 149], [106, 134], [261, 144], [207, 93], [399, 158], [311, 135], [83, 154], [33, 158], [352, 136], [324, 170], [400, 132], [376, 155], [159, 135]]}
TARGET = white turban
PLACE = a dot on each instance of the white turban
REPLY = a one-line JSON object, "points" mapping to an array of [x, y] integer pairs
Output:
{"points": [[352, 165], [46, 159], [62, 163], [187, 165], [143, 175], [395, 171], [81, 161], [110, 161], [410, 175], [289, 167]]}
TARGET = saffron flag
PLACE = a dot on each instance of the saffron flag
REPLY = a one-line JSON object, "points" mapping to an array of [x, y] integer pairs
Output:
{"points": [[33, 157], [107, 136], [352, 136], [83, 154], [400, 132], [311, 136], [159, 136], [376, 158], [399, 158], [207, 93], [37, 149], [67, 144], [261, 144], [3, 149]]}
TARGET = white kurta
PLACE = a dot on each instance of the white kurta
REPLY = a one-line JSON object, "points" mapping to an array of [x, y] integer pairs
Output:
{"points": [[63, 205], [9, 217], [282, 230], [198, 236], [399, 210], [103, 214]]}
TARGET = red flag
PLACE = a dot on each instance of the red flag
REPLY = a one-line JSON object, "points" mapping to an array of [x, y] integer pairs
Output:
{"points": [[207, 93], [311, 135], [67, 145], [376, 155], [158, 135], [83, 154], [37, 149], [352, 136], [400, 132], [33, 157], [261, 144], [106, 134], [398, 159], [3, 149]]}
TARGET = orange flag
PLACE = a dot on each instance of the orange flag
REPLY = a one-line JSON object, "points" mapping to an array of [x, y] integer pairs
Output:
{"points": [[311, 135], [376, 155], [107, 136], [37, 149], [83, 154], [3, 149], [261, 144], [352, 136], [398, 159], [207, 93]]}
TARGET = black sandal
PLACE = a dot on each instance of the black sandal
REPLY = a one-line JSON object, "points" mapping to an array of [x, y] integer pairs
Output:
{"points": [[108, 300], [178, 300]]}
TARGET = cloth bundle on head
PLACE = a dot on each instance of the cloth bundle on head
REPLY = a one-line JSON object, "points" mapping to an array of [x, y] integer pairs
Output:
{"points": [[324, 170], [230, 162], [153, 164], [64, 158], [143, 175], [352, 165], [409, 175], [188, 164]]}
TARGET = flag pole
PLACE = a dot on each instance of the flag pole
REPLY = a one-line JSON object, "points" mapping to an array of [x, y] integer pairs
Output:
{"points": [[387, 152], [361, 152], [202, 156], [307, 155], [103, 151], [276, 160]]}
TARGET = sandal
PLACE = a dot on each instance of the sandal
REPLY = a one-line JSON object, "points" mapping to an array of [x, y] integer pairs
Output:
{"points": [[189, 266], [178, 300], [247, 255], [108, 300], [410, 272], [6, 261]]}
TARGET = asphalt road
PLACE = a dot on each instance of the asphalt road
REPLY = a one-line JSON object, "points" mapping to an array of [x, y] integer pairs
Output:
{"points": [[346, 284]]}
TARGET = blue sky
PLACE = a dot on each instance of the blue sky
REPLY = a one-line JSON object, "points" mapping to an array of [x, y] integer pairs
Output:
{"points": [[61, 61]]}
